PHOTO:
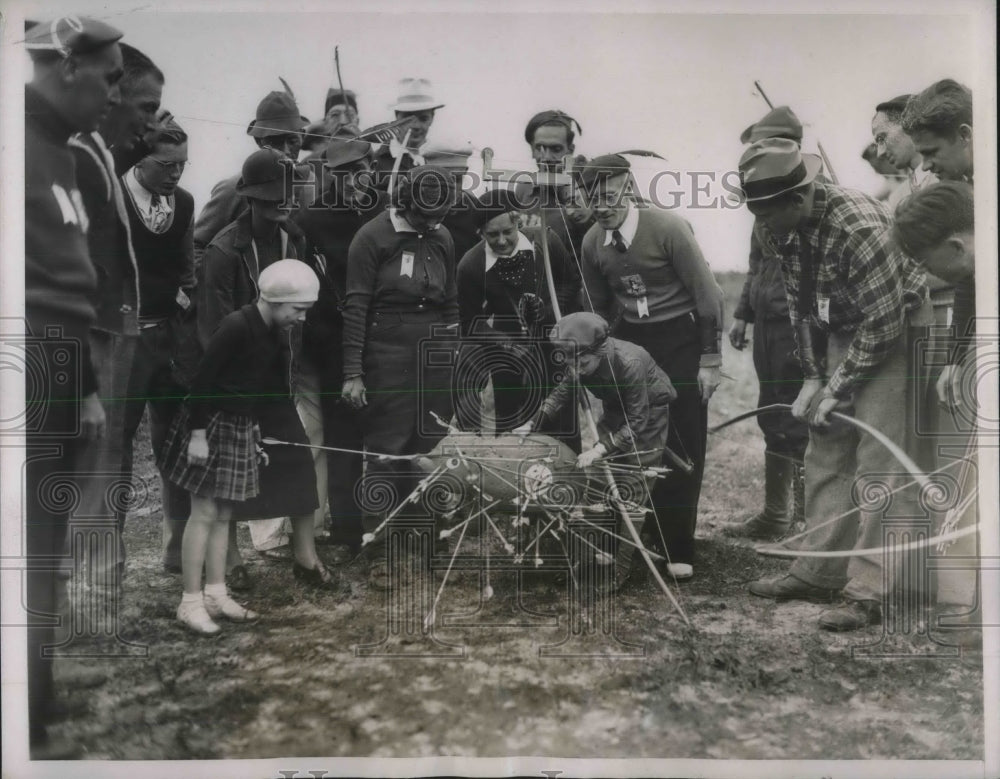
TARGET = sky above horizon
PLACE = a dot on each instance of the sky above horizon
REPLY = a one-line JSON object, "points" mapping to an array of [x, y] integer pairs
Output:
{"points": [[677, 84]]}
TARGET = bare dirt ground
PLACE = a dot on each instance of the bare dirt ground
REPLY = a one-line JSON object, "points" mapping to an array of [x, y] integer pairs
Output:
{"points": [[748, 679]]}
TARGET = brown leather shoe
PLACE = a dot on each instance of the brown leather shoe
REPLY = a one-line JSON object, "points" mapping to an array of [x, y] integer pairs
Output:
{"points": [[853, 615], [790, 588], [758, 528]]}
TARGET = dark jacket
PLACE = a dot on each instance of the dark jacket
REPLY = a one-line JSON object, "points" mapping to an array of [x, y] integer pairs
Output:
{"points": [[116, 299], [223, 208], [635, 393], [328, 235], [227, 276], [763, 295], [59, 279], [241, 365], [482, 295]]}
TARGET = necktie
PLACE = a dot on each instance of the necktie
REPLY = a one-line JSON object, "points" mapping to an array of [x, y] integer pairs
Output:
{"points": [[158, 213], [618, 241]]}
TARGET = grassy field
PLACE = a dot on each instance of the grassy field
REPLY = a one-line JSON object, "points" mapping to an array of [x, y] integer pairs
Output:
{"points": [[748, 679]]}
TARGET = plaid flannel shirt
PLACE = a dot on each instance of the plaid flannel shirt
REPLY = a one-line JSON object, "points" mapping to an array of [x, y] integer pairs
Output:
{"points": [[859, 281]]}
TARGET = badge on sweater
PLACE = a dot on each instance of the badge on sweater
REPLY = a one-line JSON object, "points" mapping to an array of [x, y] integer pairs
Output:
{"points": [[635, 287], [823, 306], [642, 306], [406, 266]]}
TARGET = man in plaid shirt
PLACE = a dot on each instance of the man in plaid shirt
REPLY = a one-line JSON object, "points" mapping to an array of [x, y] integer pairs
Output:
{"points": [[852, 299]]}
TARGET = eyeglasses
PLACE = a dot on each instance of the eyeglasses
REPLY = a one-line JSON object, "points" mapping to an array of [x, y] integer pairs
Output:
{"points": [[172, 166]]}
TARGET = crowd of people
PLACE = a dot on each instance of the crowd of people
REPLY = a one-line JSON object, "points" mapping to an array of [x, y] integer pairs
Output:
{"points": [[296, 306]]}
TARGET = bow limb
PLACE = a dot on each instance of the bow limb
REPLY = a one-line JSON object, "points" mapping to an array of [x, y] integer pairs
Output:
{"points": [[894, 449], [750, 414]]}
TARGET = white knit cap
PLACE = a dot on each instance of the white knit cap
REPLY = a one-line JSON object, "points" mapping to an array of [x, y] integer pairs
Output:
{"points": [[288, 281]]}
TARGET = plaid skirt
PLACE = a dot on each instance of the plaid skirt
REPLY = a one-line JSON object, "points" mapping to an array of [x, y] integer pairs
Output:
{"points": [[231, 472]]}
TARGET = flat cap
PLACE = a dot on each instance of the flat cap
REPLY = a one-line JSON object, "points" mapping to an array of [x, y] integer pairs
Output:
{"points": [[583, 328], [70, 35], [454, 156]]}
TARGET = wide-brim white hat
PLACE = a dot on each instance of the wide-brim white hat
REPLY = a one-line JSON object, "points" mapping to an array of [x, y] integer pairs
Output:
{"points": [[415, 94]]}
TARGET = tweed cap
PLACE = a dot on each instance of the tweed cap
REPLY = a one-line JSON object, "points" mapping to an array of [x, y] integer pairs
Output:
{"points": [[586, 330], [69, 35]]}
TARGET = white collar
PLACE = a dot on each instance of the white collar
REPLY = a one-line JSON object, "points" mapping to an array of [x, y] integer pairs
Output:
{"points": [[143, 197], [401, 225], [921, 178], [628, 227], [523, 243]]}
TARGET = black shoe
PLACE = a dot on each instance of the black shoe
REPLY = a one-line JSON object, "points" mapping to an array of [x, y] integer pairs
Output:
{"points": [[238, 579], [853, 615], [789, 588], [319, 577]]}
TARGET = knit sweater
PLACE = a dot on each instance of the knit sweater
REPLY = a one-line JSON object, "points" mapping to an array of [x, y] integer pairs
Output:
{"points": [[59, 279], [166, 261], [398, 271], [664, 267]]}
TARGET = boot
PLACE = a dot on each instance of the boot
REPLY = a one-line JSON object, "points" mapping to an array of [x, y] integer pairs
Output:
{"points": [[771, 523]]}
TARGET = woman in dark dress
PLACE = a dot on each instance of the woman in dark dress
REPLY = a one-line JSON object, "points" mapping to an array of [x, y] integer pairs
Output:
{"points": [[505, 309], [401, 305]]}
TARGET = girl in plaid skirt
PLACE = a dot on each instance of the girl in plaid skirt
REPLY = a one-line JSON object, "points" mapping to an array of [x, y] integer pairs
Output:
{"points": [[213, 448]]}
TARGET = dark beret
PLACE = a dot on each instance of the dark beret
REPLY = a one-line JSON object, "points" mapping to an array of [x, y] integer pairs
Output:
{"points": [[498, 201], [336, 97], [550, 117]]}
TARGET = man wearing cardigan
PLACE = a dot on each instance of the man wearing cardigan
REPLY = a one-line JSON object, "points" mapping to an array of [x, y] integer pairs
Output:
{"points": [[161, 217], [643, 271]]}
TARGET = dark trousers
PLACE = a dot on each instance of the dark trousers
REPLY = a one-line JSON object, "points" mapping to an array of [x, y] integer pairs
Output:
{"points": [[342, 429], [406, 387], [51, 496], [780, 376], [151, 385], [103, 486], [675, 346]]}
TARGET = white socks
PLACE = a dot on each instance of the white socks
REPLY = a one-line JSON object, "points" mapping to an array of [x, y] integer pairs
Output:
{"points": [[217, 591]]}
